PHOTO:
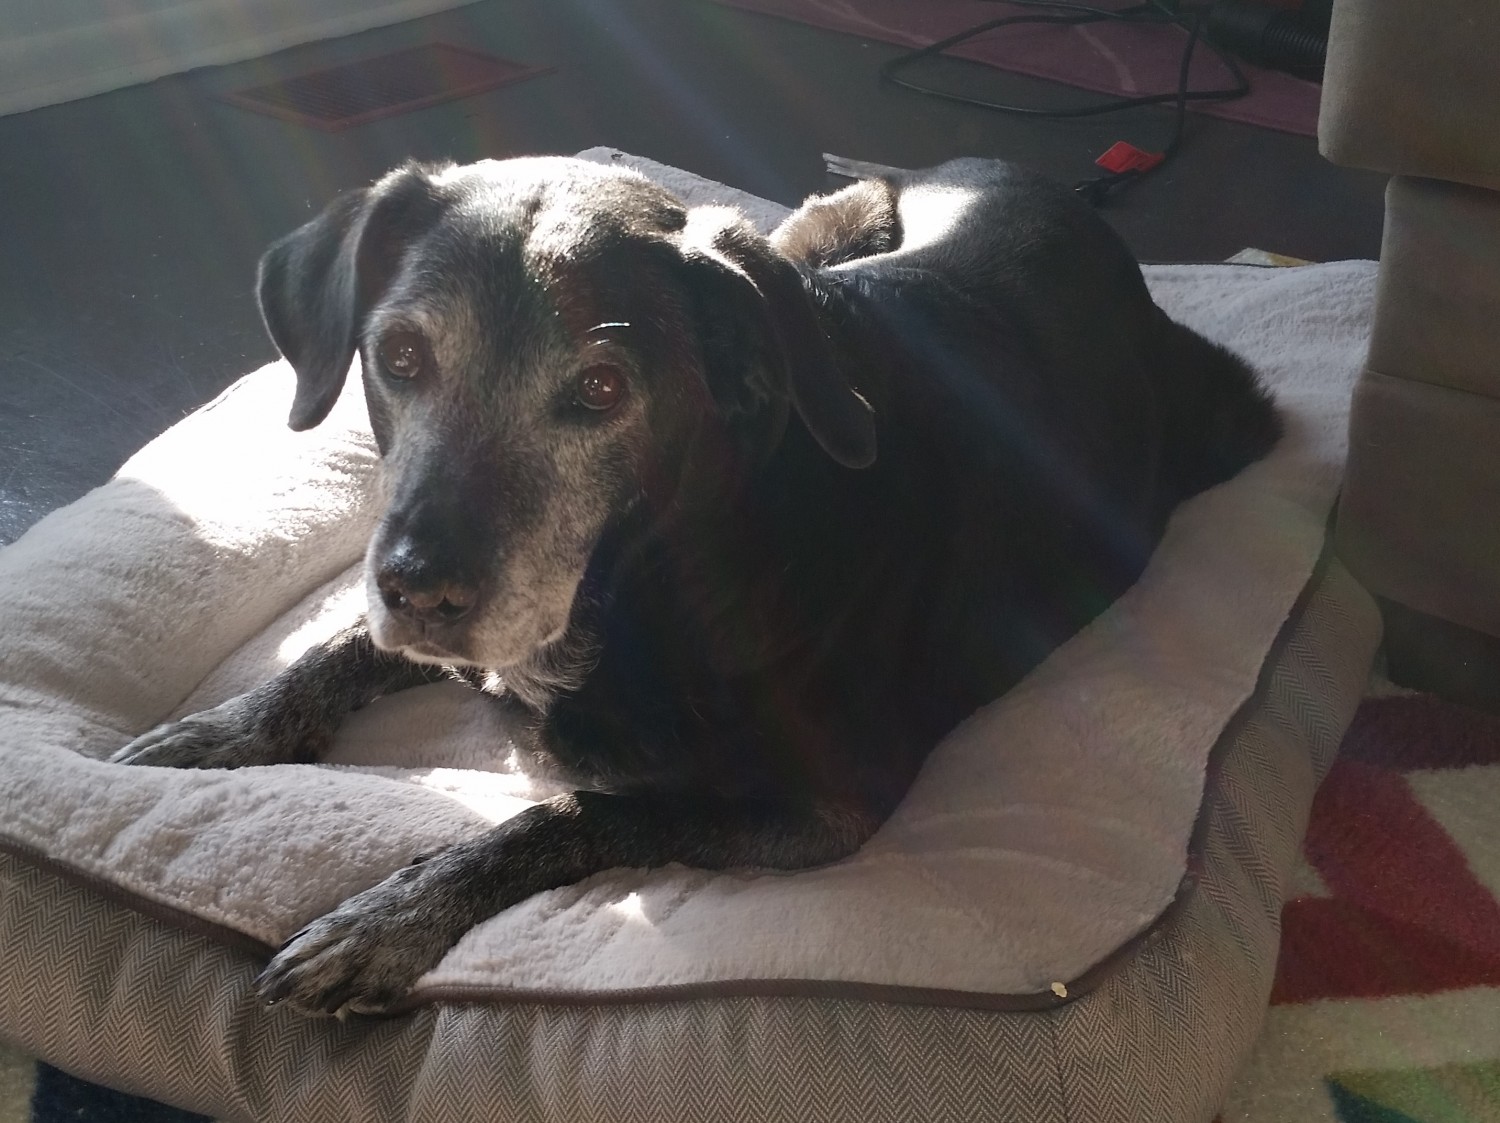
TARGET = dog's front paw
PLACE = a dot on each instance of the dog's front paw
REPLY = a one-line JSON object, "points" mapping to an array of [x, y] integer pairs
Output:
{"points": [[365, 955], [231, 735]]}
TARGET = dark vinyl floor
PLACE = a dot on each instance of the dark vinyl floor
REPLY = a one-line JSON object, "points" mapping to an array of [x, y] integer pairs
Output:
{"points": [[130, 222]]}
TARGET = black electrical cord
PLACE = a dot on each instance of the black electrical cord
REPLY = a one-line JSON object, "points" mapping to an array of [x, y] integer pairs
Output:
{"points": [[1071, 14]]}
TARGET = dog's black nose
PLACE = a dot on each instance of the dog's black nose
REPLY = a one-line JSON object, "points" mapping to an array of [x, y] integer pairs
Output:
{"points": [[407, 591], [445, 604], [428, 564]]}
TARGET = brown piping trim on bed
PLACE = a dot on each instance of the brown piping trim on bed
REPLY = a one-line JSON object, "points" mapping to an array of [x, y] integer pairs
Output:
{"points": [[1241, 717], [896, 995], [1073, 989]]}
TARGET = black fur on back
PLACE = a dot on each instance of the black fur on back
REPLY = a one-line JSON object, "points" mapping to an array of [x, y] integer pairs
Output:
{"points": [[794, 628]]}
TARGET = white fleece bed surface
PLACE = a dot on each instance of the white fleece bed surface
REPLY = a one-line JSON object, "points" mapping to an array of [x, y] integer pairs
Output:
{"points": [[1043, 834]]}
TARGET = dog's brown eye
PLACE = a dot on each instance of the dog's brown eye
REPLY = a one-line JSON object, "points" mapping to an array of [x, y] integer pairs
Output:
{"points": [[403, 354], [601, 387]]}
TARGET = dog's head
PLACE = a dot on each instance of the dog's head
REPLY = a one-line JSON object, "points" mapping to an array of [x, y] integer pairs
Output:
{"points": [[547, 346]]}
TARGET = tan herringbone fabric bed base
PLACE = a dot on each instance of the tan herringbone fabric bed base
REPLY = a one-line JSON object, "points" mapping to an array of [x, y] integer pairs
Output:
{"points": [[118, 996]]}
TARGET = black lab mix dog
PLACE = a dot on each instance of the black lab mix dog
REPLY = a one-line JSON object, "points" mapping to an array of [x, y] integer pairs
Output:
{"points": [[741, 525]]}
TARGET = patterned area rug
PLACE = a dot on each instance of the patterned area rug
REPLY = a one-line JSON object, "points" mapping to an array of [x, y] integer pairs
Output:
{"points": [[1112, 58], [1386, 1006]]}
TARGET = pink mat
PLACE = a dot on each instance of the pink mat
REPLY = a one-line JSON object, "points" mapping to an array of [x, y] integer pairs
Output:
{"points": [[1109, 57]]}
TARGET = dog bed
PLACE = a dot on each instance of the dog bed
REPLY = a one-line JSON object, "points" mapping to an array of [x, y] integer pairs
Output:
{"points": [[1072, 916]]}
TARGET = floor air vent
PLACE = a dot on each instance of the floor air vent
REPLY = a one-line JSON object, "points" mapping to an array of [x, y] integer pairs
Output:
{"points": [[386, 86]]}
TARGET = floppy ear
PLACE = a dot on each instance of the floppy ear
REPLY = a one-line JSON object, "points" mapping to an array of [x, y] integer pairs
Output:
{"points": [[767, 287], [317, 284], [859, 220]]}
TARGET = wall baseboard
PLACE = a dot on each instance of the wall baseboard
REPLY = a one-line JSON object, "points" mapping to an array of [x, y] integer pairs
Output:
{"points": [[55, 66]]}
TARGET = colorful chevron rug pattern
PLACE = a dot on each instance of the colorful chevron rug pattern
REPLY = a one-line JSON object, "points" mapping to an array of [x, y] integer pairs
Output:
{"points": [[1386, 1005]]}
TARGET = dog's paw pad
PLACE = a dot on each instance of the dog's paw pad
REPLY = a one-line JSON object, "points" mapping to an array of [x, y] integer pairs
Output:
{"points": [[178, 745], [365, 955], [227, 736]]}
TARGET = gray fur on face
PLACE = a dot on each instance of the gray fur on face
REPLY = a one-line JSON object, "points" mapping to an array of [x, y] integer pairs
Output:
{"points": [[494, 411]]}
